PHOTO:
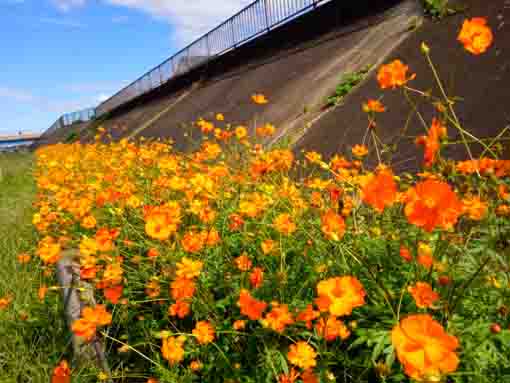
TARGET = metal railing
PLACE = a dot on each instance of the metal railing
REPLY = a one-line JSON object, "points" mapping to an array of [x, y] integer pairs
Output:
{"points": [[256, 19], [72, 118]]}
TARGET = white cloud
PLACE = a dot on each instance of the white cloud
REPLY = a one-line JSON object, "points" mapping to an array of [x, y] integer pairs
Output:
{"points": [[67, 5], [102, 98], [190, 18]]}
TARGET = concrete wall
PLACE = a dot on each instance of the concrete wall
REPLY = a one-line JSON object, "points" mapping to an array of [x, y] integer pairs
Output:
{"points": [[297, 66]]}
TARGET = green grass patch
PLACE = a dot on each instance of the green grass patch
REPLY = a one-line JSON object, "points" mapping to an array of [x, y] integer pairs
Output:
{"points": [[348, 82], [31, 332]]}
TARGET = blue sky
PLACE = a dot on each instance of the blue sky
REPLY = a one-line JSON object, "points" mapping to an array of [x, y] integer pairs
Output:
{"points": [[59, 56]]}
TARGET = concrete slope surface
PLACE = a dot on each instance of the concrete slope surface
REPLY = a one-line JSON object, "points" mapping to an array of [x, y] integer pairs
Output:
{"points": [[297, 66], [63, 134], [297, 78], [480, 82]]}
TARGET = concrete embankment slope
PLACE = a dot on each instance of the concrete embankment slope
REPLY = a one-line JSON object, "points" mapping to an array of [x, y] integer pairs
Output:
{"points": [[482, 83], [296, 66], [63, 134]]}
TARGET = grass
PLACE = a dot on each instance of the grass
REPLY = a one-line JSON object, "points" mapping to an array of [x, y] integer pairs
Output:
{"points": [[31, 332], [347, 84]]}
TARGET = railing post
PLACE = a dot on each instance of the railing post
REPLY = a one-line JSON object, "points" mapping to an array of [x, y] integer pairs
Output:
{"points": [[266, 10], [208, 47], [233, 34]]}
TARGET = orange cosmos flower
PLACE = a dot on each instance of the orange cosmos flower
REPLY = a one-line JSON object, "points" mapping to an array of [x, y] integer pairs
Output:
{"points": [[405, 254], [302, 355], [432, 204], [195, 365], [259, 98], [180, 309], [205, 126], [241, 132], [172, 349], [243, 262], [359, 150], [5, 302], [211, 150], [91, 318], [257, 277], [374, 106], [182, 288], [475, 35], [291, 377], [41, 293], [425, 257], [204, 332], [424, 348], [333, 225], [193, 242], [104, 239], [188, 268], [158, 227], [380, 191], [61, 373], [423, 295], [220, 117], [332, 328], [503, 210], [153, 288], [23, 258], [474, 208], [112, 274], [503, 192], [308, 315], [431, 142], [239, 325], [250, 306], [113, 293], [265, 130], [213, 237], [153, 253], [340, 295], [236, 222], [278, 318], [467, 167], [267, 246], [49, 250], [284, 224], [313, 157], [309, 377], [393, 75], [88, 222]]}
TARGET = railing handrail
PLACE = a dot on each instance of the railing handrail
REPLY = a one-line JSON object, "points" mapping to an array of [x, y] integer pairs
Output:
{"points": [[68, 119]]}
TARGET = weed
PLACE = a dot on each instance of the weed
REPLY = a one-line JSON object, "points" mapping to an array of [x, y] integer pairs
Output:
{"points": [[347, 84]]}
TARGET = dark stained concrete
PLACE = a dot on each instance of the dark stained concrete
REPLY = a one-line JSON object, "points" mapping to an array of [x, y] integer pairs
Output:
{"points": [[482, 82]]}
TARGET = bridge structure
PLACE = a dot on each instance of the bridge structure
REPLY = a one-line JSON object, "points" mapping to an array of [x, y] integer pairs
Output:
{"points": [[253, 21], [12, 141]]}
